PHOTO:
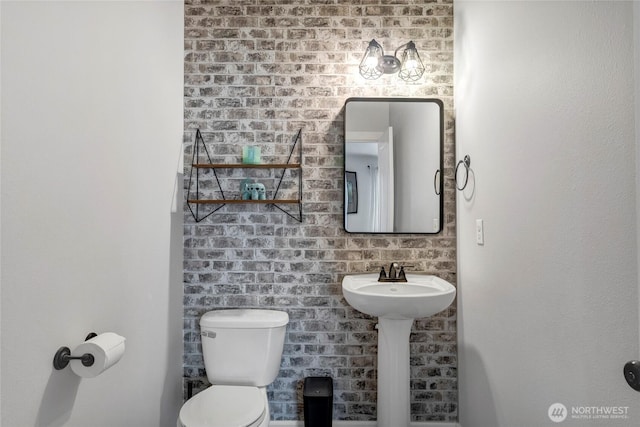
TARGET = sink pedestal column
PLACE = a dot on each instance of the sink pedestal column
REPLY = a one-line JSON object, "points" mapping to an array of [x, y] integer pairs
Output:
{"points": [[393, 372]]}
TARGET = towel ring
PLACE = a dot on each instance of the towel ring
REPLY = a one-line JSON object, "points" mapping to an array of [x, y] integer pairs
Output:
{"points": [[467, 163], [435, 182]]}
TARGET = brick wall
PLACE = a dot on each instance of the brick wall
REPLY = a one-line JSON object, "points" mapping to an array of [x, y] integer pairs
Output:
{"points": [[255, 72]]}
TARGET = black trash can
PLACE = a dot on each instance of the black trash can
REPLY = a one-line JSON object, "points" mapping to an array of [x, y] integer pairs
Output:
{"points": [[318, 401]]}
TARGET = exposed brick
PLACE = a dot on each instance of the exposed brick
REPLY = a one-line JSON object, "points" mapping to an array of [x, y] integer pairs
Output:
{"points": [[255, 72]]}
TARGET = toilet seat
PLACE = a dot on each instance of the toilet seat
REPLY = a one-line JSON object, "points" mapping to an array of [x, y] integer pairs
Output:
{"points": [[224, 406]]}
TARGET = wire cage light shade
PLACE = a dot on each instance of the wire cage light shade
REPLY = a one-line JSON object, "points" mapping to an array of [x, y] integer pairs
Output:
{"points": [[369, 68], [412, 67], [375, 63]]}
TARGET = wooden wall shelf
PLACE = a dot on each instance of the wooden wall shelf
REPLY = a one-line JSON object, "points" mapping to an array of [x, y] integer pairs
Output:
{"points": [[246, 166], [240, 202], [220, 203]]}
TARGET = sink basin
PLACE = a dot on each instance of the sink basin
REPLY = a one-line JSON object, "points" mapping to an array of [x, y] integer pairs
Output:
{"points": [[421, 296], [396, 304]]}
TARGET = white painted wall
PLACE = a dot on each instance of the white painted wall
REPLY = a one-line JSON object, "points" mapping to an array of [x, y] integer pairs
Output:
{"points": [[0, 214], [91, 135], [636, 37], [548, 307]]}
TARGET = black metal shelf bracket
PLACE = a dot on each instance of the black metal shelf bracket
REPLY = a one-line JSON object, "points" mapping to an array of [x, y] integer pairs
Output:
{"points": [[284, 170], [199, 142]]}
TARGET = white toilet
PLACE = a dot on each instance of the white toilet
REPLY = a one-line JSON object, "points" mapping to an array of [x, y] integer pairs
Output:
{"points": [[242, 350]]}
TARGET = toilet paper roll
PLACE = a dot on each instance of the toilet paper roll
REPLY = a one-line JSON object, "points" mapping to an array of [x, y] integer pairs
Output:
{"points": [[107, 349]]}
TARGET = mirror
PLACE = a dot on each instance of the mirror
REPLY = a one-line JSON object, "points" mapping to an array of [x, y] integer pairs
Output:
{"points": [[393, 165]]}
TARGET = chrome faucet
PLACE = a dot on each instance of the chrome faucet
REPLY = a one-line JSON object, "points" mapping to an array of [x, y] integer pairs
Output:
{"points": [[395, 274]]}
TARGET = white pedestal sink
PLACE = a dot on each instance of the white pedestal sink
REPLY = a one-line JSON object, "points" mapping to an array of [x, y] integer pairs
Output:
{"points": [[396, 304]]}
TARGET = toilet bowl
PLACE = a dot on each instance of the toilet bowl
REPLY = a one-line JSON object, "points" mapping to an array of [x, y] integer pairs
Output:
{"points": [[226, 406], [242, 350]]}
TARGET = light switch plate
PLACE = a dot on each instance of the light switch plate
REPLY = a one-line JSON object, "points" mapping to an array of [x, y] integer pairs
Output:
{"points": [[479, 232]]}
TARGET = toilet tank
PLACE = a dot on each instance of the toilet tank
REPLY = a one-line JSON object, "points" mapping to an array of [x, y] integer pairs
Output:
{"points": [[243, 346]]}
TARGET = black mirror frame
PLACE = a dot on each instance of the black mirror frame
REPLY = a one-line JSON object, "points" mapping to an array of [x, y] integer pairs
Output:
{"points": [[439, 187]]}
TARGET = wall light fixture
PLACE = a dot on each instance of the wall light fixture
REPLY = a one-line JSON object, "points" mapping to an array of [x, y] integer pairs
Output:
{"points": [[375, 63]]}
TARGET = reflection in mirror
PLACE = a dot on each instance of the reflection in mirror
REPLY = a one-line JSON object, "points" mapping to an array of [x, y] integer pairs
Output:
{"points": [[393, 164]]}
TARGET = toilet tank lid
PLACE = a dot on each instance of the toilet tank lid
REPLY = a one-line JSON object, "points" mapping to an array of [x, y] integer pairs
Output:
{"points": [[244, 318]]}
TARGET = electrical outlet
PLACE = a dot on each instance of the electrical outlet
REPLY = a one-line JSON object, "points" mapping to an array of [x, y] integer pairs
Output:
{"points": [[479, 232]]}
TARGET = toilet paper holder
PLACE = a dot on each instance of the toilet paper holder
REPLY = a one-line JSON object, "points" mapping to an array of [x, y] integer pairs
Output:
{"points": [[63, 356]]}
